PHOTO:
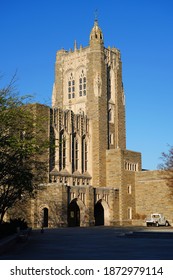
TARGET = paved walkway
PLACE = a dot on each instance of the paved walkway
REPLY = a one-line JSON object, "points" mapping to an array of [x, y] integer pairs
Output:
{"points": [[94, 243]]}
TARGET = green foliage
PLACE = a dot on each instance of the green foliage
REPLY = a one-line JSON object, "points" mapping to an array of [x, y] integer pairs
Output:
{"points": [[22, 148]]}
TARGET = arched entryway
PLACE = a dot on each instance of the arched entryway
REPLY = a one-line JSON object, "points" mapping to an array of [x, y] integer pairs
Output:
{"points": [[99, 214], [45, 217], [73, 214]]}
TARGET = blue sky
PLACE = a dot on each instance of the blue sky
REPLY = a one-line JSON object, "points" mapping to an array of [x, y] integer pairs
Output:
{"points": [[31, 31]]}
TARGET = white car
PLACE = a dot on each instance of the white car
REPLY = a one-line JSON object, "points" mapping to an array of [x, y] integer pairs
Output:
{"points": [[157, 220]]}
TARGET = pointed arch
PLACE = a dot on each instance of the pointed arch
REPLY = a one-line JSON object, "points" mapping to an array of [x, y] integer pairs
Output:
{"points": [[73, 214], [77, 215], [102, 213], [99, 214], [43, 220]]}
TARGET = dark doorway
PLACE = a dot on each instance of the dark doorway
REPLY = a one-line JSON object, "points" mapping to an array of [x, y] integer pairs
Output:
{"points": [[45, 217], [73, 214], [99, 214]]}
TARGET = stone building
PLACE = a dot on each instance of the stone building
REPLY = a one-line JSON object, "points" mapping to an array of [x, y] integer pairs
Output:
{"points": [[93, 178]]}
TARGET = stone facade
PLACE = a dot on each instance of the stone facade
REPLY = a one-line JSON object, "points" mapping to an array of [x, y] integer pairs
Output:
{"points": [[93, 178], [153, 194]]}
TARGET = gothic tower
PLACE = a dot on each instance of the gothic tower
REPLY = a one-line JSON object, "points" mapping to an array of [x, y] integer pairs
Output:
{"points": [[89, 110]]}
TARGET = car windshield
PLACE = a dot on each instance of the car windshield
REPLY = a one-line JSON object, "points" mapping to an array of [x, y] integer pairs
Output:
{"points": [[156, 216]]}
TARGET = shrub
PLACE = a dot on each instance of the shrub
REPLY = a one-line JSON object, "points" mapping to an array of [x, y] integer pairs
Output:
{"points": [[18, 223], [11, 227]]}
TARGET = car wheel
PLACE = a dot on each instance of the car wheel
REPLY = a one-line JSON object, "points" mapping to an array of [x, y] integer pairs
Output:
{"points": [[157, 224], [166, 224]]}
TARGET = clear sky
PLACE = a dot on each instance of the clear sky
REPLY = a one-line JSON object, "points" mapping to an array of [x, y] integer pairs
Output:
{"points": [[31, 31]]}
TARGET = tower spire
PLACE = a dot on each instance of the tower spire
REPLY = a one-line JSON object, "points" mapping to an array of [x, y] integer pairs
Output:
{"points": [[75, 45], [96, 35], [96, 16]]}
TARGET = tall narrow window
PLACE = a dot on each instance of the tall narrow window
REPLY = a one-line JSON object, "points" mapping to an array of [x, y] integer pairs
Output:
{"points": [[82, 84], [129, 213], [62, 151], [75, 153], [87, 125], [65, 119], [111, 138], [129, 189], [71, 87], [110, 115], [84, 155]]}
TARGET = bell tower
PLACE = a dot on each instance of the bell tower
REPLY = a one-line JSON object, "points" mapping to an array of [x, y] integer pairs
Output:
{"points": [[89, 109]]}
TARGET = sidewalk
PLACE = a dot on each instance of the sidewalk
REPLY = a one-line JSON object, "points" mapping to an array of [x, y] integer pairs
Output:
{"points": [[7, 243]]}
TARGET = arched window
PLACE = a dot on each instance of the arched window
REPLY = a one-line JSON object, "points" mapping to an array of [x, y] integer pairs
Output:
{"points": [[71, 87], [82, 84]]}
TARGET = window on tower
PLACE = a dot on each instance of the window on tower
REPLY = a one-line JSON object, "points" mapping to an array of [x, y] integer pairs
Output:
{"points": [[71, 87], [84, 155], [75, 153], [111, 113], [111, 138], [62, 151], [82, 84]]}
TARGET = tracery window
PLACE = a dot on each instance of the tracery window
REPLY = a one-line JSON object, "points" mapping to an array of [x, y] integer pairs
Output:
{"points": [[82, 84], [71, 87]]}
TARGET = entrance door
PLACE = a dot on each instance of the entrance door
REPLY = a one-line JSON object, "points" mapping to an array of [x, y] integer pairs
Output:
{"points": [[45, 217], [73, 214], [99, 214]]}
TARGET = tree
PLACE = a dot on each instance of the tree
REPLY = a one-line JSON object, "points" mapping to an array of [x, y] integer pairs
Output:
{"points": [[167, 165], [23, 147]]}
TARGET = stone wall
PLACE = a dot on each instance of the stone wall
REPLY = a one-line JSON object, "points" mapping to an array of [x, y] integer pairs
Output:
{"points": [[122, 177], [153, 195]]}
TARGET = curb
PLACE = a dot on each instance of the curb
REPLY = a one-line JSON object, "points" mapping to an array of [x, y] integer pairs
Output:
{"points": [[152, 234]]}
